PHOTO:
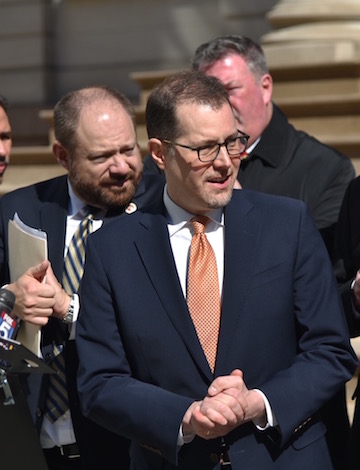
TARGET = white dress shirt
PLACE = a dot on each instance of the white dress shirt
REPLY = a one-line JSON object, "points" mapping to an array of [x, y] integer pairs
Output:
{"points": [[179, 228], [61, 432]]}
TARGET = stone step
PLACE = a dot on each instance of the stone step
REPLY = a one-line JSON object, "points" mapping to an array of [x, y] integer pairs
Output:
{"points": [[303, 103], [290, 13], [28, 165], [18, 176], [147, 80], [32, 154], [341, 132]]}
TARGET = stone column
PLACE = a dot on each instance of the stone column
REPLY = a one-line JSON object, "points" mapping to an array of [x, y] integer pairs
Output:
{"points": [[314, 56]]}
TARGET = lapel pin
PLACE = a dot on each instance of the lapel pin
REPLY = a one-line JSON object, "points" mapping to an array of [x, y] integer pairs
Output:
{"points": [[131, 207]]}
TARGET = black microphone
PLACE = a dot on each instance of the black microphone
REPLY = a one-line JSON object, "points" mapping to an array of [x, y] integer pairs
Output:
{"points": [[8, 325]]}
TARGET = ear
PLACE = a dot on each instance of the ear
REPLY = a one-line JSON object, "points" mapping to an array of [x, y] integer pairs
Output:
{"points": [[156, 150], [267, 87], [61, 154]]}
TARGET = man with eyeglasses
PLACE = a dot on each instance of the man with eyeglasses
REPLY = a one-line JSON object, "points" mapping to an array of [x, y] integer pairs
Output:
{"points": [[221, 332], [281, 159]]}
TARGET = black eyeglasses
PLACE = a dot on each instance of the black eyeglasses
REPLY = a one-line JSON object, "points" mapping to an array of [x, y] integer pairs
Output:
{"points": [[208, 153]]}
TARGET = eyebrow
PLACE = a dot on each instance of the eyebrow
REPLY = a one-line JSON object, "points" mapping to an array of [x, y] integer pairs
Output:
{"points": [[7, 134], [215, 142]]}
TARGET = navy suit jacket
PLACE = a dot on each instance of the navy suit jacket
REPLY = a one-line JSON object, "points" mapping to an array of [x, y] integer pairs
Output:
{"points": [[141, 364], [45, 206]]}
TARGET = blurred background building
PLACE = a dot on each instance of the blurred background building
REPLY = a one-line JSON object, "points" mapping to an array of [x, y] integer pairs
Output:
{"points": [[49, 47]]}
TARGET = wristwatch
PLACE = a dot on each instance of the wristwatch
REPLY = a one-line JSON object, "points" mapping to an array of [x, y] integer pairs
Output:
{"points": [[70, 311]]}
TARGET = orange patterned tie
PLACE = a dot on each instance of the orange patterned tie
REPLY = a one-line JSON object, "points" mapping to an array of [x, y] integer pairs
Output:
{"points": [[203, 297]]}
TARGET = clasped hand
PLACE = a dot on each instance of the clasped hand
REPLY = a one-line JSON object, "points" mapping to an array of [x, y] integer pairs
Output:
{"points": [[228, 404]]}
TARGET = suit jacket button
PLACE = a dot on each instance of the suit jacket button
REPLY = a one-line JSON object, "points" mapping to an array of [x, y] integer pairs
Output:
{"points": [[214, 458], [48, 357], [38, 413]]}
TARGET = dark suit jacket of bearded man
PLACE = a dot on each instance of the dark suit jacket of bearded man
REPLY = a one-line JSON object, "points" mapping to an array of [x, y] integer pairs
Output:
{"points": [[45, 206]]}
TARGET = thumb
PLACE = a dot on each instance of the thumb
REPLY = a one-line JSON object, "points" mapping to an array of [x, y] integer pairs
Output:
{"points": [[51, 278], [237, 372], [38, 272]]}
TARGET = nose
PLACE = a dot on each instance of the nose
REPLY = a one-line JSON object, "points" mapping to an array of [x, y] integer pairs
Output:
{"points": [[118, 164], [223, 159], [2, 147]]}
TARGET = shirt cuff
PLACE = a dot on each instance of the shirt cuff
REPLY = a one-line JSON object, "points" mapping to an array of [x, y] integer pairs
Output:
{"points": [[270, 416], [184, 439]]}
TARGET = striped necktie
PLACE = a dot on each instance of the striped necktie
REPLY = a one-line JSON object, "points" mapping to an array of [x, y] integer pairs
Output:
{"points": [[57, 400], [203, 295], [74, 260]]}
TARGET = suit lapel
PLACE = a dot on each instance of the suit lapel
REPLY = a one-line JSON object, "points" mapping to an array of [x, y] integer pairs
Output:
{"points": [[154, 248], [53, 215], [242, 232]]}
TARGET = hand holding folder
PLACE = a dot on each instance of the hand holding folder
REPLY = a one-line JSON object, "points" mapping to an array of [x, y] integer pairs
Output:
{"points": [[27, 248]]}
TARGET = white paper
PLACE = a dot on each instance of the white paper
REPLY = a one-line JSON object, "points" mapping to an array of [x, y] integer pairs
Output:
{"points": [[27, 248]]}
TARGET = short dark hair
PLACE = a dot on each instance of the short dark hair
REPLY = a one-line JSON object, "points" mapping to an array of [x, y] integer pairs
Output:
{"points": [[212, 51], [68, 108], [4, 104], [180, 88]]}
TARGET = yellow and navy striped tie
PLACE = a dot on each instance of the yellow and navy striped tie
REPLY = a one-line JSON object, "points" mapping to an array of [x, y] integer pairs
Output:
{"points": [[57, 400]]}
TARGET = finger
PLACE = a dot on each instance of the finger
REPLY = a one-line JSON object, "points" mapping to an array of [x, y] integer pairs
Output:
{"points": [[200, 421], [40, 321], [32, 316], [220, 418], [237, 373], [235, 380], [224, 409], [38, 310]]}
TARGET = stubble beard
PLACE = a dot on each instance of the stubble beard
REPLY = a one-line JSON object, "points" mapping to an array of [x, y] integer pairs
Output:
{"points": [[219, 201]]}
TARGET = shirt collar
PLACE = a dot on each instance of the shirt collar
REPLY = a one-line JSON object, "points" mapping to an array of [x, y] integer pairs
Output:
{"points": [[252, 146], [76, 206], [178, 217]]}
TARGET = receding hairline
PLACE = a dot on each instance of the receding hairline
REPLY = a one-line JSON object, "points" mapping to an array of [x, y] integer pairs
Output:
{"points": [[68, 110]]}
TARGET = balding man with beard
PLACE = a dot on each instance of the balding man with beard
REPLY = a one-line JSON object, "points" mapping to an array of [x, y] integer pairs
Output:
{"points": [[96, 142]]}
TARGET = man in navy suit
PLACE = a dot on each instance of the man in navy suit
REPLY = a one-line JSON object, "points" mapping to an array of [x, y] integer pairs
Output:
{"points": [[282, 344], [96, 143]]}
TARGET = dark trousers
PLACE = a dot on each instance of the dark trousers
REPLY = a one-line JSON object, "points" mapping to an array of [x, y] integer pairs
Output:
{"points": [[354, 451], [99, 448], [58, 460]]}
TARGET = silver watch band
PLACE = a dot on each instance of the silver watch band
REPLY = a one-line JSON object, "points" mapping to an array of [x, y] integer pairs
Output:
{"points": [[70, 312]]}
